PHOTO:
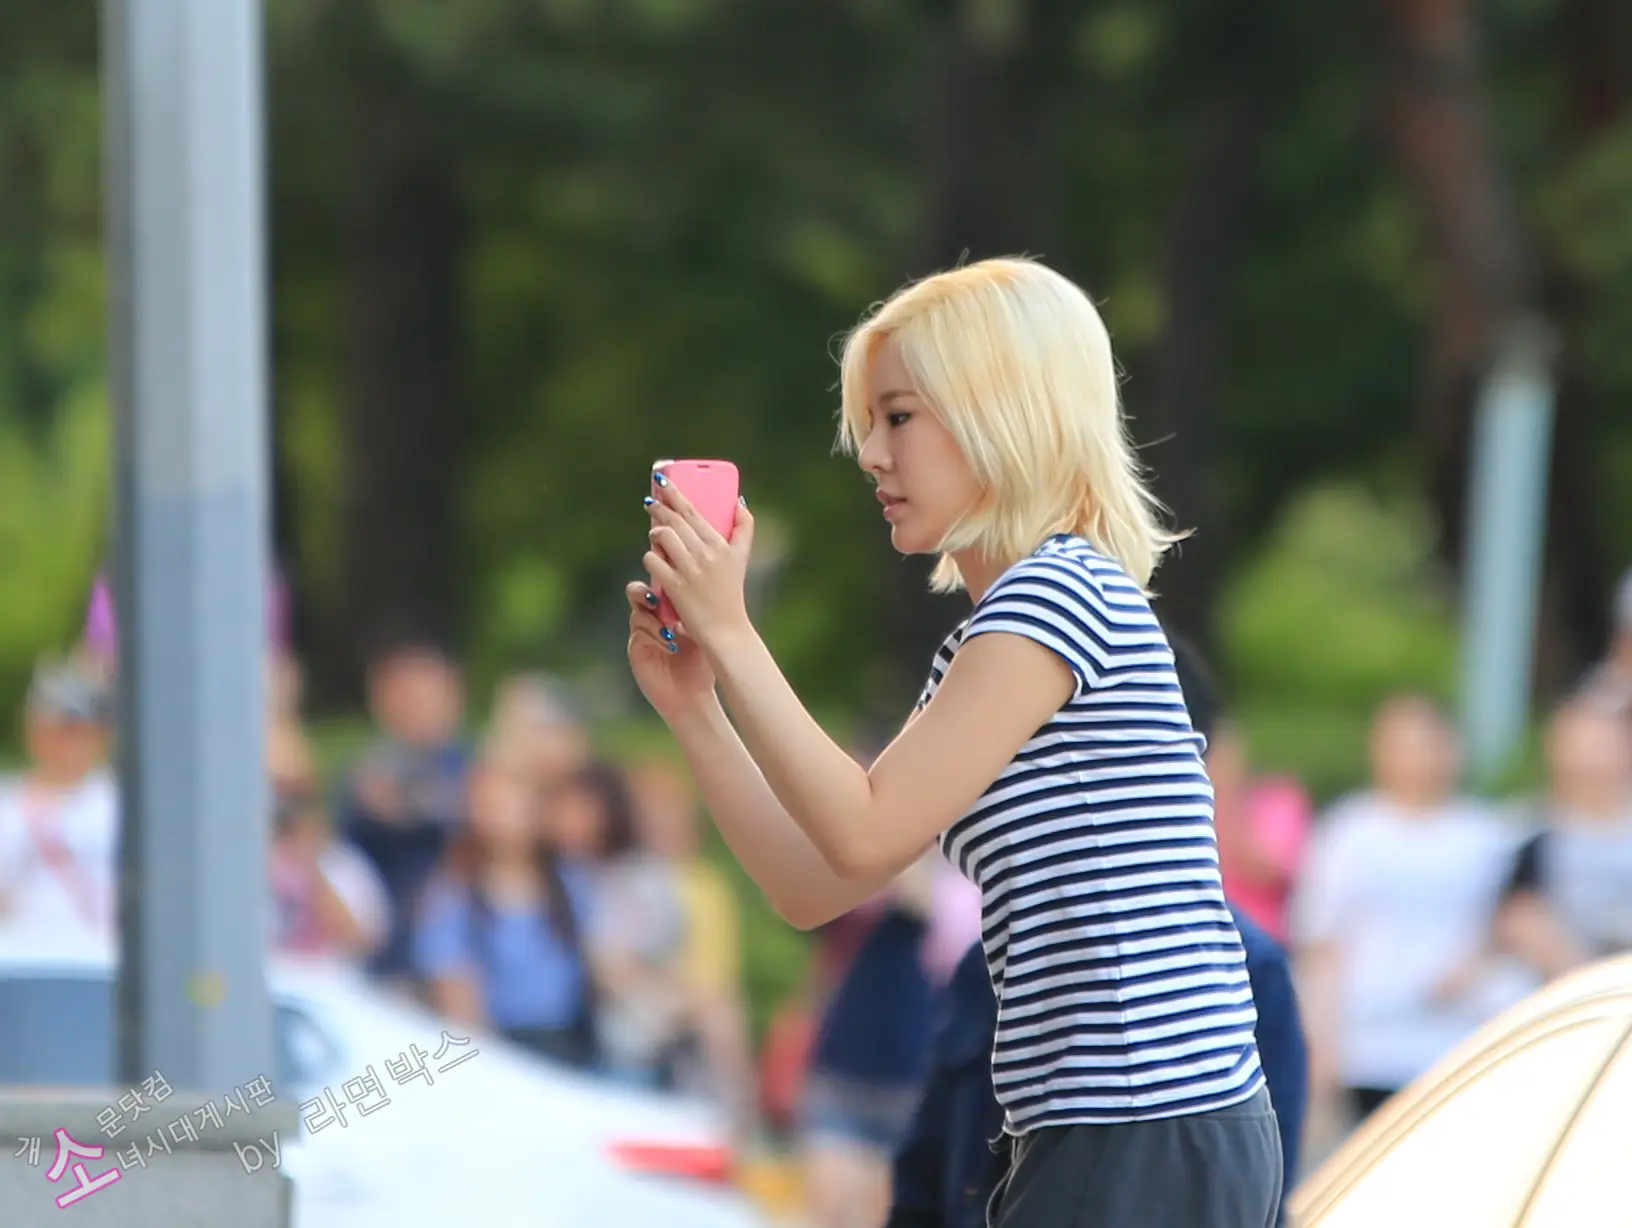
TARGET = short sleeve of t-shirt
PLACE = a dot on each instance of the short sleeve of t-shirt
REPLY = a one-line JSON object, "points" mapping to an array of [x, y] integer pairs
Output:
{"points": [[442, 933], [1057, 602]]}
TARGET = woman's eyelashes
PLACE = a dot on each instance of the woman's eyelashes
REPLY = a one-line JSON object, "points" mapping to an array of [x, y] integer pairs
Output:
{"points": [[898, 418]]}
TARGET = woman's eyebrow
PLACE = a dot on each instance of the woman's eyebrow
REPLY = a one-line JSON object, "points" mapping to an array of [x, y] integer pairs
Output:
{"points": [[895, 394]]}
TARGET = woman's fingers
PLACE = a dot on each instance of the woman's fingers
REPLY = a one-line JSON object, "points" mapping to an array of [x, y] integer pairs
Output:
{"points": [[672, 507], [647, 635], [641, 597], [660, 569], [684, 529], [643, 621], [676, 551]]}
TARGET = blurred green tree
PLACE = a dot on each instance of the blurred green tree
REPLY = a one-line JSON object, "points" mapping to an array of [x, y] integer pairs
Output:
{"points": [[524, 247]]}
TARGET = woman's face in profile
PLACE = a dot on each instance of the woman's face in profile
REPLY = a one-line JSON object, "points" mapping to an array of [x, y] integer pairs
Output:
{"points": [[924, 481]]}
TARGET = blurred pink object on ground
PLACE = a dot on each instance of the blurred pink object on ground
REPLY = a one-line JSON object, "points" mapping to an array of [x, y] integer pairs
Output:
{"points": [[1279, 815]]}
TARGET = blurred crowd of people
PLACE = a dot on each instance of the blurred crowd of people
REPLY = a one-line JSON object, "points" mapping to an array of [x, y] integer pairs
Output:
{"points": [[1417, 912], [520, 884], [515, 883]]}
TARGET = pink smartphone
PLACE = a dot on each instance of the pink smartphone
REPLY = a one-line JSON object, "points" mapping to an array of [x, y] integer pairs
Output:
{"points": [[712, 488]]}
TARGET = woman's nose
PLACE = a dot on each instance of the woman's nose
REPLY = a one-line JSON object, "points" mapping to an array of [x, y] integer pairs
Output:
{"points": [[874, 456]]}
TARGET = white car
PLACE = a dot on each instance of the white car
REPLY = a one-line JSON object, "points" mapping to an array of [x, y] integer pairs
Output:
{"points": [[504, 1139]]}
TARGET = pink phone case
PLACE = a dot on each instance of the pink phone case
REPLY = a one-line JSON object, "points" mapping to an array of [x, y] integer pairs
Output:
{"points": [[712, 487]]}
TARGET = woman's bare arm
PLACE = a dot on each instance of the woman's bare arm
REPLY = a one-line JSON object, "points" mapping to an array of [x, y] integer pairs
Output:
{"points": [[869, 825], [797, 880]]}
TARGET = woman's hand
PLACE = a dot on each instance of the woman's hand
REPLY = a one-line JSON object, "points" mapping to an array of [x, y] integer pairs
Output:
{"points": [[671, 670], [699, 571]]}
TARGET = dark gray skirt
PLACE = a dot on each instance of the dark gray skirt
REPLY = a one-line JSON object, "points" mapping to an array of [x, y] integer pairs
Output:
{"points": [[1207, 1170]]}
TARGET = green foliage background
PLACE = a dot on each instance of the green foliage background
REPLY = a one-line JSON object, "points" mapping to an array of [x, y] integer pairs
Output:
{"points": [[674, 207]]}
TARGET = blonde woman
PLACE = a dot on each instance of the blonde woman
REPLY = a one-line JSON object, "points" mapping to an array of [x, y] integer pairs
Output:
{"points": [[1050, 755]]}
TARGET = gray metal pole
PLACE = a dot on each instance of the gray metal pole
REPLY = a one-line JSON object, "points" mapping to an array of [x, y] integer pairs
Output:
{"points": [[1507, 527], [186, 256]]}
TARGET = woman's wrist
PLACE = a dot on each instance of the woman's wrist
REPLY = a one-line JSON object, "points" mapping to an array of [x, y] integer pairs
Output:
{"points": [[697, 718], [726, 643], [733, 653]]}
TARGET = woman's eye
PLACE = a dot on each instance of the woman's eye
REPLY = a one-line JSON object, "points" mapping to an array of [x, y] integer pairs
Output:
{"points": [[898, 419]]}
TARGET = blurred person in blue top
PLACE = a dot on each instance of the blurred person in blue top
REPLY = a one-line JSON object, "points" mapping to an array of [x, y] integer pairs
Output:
{"points": [[635, 937], [500, 933], [946, 1169], [405, 797]]}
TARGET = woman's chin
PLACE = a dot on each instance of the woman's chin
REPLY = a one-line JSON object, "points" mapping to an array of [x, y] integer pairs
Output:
{"points": [[907, 542]]}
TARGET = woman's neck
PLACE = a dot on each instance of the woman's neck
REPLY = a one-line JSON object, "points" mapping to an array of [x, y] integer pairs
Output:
{"points": [[978, 571]]}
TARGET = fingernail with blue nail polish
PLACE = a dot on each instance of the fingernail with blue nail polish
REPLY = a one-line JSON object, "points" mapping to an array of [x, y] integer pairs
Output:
{"points": [[668, 635], [660, 479], [743, 499], [648, 501], [651, 598], [674, 647]]}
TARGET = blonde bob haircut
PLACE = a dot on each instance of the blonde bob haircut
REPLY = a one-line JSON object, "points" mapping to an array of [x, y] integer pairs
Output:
{"points": [[1015, 361]]}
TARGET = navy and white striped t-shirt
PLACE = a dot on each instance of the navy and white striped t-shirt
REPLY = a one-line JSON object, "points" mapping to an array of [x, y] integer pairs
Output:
{"points": [[1121, 981]]}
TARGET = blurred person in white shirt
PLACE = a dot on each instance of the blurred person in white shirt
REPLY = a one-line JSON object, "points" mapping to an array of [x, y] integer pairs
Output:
{"points": [[59, 818], [1608, 684], [1569, 898], [1393, 918]]}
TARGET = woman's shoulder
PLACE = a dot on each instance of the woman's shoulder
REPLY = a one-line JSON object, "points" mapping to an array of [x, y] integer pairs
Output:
{"points": [[1070, 572]]}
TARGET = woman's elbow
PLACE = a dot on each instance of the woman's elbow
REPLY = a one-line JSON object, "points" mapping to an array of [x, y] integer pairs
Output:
{"points": [[859, 860], [810, 910], [813, 908]]}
